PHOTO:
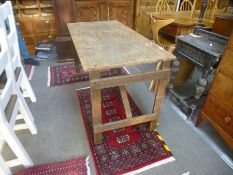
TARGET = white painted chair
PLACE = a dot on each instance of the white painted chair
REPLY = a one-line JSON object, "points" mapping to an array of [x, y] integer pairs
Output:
{"points": [[12, 104], [7, 16]]}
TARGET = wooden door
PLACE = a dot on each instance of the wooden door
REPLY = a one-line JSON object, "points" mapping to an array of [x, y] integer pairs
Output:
{"points": [[121, 11], [65, 13], [87, 11]]}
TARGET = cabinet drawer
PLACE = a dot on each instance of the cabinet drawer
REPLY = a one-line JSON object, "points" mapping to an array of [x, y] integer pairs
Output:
{"points": [[219, 114], [223, 87]]}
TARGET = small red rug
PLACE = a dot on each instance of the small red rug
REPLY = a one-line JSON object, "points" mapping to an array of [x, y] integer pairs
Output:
{"points": [[78, 166], [66, 74], [132, 149], [29, 69]]}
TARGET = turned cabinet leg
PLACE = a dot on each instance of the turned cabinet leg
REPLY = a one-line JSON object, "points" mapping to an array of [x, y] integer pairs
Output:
{"points": [[201, 86], [174, 69]]}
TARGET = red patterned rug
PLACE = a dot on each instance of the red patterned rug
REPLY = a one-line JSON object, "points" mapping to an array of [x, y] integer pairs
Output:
{"points": [[78, 166], [127, 150], [29, 69], [66, 74]]}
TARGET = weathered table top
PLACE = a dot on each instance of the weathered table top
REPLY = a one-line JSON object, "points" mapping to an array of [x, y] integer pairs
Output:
{"points": [[110, 44]]}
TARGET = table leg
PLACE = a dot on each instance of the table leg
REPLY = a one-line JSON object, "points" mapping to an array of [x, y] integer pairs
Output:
{"points": [[154, 83], [96, 108], [160, 91]]}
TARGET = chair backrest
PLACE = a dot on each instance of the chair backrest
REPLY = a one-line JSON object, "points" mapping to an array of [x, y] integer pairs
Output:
{"points": [[156, 25], [6, 73], [162, 6], [212, 6], [186, 5], [9, 26]]}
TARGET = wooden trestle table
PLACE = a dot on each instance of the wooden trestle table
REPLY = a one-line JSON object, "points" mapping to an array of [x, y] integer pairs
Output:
{"points": [[109, 44]]}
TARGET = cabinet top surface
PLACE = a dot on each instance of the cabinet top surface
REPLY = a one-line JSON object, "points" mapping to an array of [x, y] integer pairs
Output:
{"points": [[110, 44], [205, 44]]}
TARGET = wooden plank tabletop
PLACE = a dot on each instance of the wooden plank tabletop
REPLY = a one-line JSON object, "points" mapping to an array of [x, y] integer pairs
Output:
{"points": [[109, 44]]}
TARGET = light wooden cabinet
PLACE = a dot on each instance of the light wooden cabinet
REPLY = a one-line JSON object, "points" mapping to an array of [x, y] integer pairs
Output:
{"points": [[218, 106]]}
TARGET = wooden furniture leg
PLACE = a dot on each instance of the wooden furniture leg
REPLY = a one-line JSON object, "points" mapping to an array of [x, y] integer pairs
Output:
{"points": [[199, 120], [159, 94], [125, 101], [154, 83], [96, 107]]}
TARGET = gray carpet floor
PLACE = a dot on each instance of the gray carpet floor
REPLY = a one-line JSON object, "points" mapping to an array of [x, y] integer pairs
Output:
{"points": [[61, 133]]}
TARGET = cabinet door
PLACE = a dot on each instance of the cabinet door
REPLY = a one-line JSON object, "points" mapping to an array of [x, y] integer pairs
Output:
{"points": [[45, 24], [121, 11], [87, 11], [65, 13]]}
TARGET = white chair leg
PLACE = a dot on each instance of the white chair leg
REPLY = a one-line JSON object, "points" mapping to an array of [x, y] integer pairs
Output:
{"points": [[27, 115], [4, 169], [15, 145], [26, 86]]}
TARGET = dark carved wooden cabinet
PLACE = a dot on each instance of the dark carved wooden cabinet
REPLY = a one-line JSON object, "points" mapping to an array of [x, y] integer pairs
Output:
{"points": [[87, 10], [218, 106]]}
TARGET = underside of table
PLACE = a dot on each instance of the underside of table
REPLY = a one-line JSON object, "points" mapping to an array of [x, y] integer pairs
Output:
{"points": [[161, 77]]}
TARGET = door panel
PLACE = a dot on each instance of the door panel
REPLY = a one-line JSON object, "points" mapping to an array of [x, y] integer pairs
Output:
{"points": [[120, 11], [87, 11]]}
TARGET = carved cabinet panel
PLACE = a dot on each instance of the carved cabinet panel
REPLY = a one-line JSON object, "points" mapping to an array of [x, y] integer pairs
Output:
{"points": [[87, 11], [104, 10], [121, 11]]}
